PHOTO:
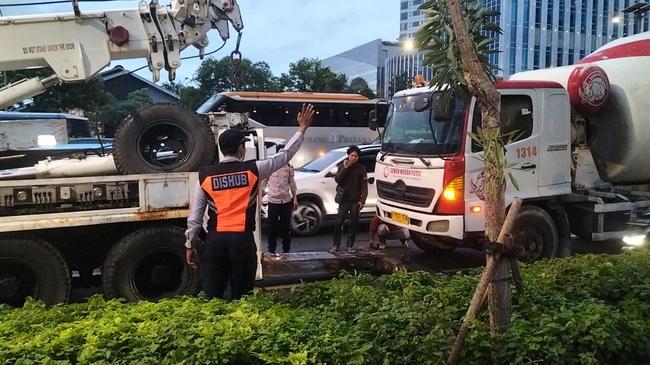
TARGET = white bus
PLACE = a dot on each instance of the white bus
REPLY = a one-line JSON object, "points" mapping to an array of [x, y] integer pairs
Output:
{"points": [[341, 119]]}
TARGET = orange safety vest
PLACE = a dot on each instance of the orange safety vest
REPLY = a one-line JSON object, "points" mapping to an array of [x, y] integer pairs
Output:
{"points": [[231, 188]]}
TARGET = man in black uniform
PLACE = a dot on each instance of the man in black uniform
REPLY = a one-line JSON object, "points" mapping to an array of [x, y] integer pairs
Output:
{"points": [[229, 190]]}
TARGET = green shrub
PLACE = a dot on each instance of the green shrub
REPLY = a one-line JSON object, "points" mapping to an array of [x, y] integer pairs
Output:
{"points": [[581, 310]]}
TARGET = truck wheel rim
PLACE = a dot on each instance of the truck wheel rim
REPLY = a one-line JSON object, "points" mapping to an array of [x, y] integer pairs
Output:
{"points": [[157, 276], [164, 145], [17, 282], [531, 243]]}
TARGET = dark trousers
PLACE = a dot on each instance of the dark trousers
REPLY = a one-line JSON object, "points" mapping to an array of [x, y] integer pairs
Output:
{"points": [[279, 217], [346, 208], [228, 255]]}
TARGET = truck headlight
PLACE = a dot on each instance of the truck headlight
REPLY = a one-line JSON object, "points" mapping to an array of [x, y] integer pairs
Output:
{"points": [[637, 240]]}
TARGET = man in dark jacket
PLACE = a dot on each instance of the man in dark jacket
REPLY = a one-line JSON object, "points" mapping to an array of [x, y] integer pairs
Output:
{"points": [[352, 189]]}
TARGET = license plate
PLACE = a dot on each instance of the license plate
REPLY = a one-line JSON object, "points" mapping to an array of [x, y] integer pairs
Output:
{"points": [[399, 217]]}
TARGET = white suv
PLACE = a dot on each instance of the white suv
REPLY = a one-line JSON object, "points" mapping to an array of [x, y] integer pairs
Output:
{"points": [[317, 189]]}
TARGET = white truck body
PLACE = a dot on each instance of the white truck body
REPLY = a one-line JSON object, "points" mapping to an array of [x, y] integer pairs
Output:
{"points": [[64, 212], [129, 226], [551, 162]]}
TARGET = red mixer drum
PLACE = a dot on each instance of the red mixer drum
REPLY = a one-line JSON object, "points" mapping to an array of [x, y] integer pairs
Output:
{"points": [[588, 88]]}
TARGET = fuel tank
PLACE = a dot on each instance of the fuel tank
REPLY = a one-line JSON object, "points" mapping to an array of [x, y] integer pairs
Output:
{"points": [[611, 89]]}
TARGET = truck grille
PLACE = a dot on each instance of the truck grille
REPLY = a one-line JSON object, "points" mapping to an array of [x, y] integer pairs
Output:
{"points": [[402, 193]]}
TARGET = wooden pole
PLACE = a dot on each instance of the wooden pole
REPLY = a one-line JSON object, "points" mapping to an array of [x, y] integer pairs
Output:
{"points": [[482, 285], [514, 267]]}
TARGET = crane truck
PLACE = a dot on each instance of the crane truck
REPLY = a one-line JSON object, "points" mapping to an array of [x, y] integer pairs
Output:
{"points": [[578, 159], [129, 226]]}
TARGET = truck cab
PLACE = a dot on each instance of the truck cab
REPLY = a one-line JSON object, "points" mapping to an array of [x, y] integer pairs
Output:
{"points": [[429, 172]]}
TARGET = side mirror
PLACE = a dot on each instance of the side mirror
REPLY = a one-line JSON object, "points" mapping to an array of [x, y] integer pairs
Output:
{"points": [[332, 171], [422, 102], [372, 120], [443, 107], [377, 117]]}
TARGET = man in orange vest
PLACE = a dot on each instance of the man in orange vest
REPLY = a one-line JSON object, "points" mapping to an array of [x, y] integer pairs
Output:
{"points": [[229, 191]]}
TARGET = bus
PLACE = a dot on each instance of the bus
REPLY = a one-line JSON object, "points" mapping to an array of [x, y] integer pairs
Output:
{"points": [[340, 120]]}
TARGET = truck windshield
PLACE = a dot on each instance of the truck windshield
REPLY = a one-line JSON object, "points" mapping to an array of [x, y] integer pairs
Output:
{"points": [[409, 132]]}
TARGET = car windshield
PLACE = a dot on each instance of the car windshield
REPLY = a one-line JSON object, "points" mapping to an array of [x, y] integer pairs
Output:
{"points": [[322, 162], [408, 131]]}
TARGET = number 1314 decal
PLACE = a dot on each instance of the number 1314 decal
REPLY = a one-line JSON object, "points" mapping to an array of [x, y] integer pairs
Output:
{"points": [[525, 152]]}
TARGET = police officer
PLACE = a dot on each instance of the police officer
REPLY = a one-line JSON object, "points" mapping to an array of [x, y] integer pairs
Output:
{"points": [[229, 190]]}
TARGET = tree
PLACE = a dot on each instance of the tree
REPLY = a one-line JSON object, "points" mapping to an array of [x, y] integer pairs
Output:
{"points": [[215, 76], [309, 75], [359, 85], [114, 111], [173, 86], [458, 52], [399, 82], [190, 97]]}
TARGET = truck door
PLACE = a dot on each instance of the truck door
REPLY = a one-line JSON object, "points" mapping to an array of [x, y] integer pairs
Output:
{"points": [[520, 128], [367, 159]]}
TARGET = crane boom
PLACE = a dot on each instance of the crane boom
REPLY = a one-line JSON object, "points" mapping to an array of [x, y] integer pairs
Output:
{"points": [[76, 46]]}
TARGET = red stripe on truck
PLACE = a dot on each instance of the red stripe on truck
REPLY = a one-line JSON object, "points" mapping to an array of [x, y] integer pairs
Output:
{"points": [[638, 48]]}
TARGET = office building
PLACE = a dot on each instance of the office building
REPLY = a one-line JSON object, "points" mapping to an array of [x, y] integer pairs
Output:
{"points": [[366, 61], [544, 33]]}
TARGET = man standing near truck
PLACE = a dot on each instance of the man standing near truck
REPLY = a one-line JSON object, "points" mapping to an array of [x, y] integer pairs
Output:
{"points": [[229, 190], [352, 191]]}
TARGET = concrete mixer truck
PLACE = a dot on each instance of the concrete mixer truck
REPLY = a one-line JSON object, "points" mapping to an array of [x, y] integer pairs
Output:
{"points": [[579, 159]]}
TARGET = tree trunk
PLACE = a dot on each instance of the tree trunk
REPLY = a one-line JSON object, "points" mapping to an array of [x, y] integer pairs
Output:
{"points": [[481, 86]]}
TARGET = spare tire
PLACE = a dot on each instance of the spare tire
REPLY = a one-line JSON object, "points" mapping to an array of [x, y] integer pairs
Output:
{"points": [[163, 138], [32, 268], [149, 264]]}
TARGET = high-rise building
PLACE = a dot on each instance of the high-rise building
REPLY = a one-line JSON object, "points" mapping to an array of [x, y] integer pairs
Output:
{"points": [[544, 33], [410, 18], [366, 61]]}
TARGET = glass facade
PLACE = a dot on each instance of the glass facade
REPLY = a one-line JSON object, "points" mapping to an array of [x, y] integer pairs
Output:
{"points": [[544, 33]]}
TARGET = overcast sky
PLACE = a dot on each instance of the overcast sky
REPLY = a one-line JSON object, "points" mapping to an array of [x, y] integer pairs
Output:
{"points": [[278, 32]]}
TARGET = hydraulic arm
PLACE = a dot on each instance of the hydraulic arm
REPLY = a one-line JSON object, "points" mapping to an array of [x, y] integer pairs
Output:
{"points": [[78, 45]]}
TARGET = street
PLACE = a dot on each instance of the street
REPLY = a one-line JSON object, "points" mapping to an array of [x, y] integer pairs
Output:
{"points": [[415, 258]]}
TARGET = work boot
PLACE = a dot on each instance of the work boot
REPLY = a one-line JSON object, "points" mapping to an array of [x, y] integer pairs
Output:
{"points": [[351, 250]]}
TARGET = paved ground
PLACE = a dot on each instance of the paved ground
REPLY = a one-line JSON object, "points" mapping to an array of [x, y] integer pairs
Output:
{"points": [[415, 259]]}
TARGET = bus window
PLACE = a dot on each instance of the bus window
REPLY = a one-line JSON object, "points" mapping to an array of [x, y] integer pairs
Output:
{"points": [[340, 119]]}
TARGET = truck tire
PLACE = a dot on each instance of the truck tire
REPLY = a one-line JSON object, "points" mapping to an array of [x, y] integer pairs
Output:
{"points": [[534, 231], [149, 264], [163, 138], [430, 244], [307, 219], [32, 268]]}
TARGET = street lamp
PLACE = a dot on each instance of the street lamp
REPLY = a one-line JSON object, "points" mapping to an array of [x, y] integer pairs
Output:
{"points": [[408, 45], [639, 11]]}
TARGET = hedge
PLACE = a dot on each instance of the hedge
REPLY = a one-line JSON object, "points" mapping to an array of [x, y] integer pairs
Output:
{"points": [[581, 310]]}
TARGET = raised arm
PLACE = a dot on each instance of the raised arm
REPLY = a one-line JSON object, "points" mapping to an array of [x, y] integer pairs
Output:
{"points": [[267, 166]]}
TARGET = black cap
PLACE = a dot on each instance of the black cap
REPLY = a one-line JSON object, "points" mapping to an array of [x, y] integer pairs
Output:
{"points": [[231, 138]]}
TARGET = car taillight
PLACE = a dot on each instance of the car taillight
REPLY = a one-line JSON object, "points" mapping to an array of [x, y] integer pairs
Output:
{"points": [[452, 199]]}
